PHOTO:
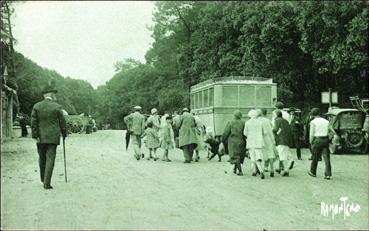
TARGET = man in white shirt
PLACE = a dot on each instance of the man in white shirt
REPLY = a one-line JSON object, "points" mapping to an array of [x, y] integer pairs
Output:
{"points": [[318, 138]]}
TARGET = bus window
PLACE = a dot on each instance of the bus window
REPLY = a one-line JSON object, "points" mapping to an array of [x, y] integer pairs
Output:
{"points": [[193, 102], [205, 98], [230, 96], [211, 97], [247, 96], [198, 99], [263, 96]]}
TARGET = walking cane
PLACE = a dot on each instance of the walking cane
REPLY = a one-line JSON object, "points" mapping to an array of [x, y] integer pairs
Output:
{"points": [[65, 163]]}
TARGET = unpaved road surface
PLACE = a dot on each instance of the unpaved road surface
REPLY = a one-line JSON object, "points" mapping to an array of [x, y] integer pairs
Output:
{"points": [[108, 189]]}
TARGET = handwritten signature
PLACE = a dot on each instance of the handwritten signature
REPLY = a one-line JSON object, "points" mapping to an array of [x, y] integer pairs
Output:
{"points": [[344, 208]]}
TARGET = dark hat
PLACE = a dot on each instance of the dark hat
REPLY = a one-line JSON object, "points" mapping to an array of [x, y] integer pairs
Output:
{"points": [[315, 111], [50, 87], [279, 105]]}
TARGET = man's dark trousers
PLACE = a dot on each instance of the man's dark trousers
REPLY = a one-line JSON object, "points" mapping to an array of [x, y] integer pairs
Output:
{"points": [[320, 147], [47, 153]]}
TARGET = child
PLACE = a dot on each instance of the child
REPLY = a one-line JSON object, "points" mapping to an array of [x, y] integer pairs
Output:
{"points": [[167, 141], [152, 141], [213, 146]]}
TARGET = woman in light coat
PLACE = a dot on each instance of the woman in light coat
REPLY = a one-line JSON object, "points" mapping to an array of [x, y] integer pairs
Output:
{"points": [[255, 142]]}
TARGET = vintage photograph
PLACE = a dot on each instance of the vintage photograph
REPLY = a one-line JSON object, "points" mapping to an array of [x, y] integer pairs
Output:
{"points": [[184, 115]]}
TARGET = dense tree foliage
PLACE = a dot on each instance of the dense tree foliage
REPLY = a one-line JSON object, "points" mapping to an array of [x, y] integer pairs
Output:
{"points": [[76, 96], [305, 46]]}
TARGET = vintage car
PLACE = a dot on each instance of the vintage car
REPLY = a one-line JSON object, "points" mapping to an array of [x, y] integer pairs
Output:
{"points": [[347, 124]]}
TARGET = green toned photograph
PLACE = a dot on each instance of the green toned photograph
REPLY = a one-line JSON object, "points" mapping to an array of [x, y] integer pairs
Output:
{"points": [[184, 115]]}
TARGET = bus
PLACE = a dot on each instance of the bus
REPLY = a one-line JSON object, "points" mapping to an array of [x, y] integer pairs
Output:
{"points": [[215, 100]]}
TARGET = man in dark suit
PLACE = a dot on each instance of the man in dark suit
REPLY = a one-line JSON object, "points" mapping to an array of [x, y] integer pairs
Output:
{"points": [[297, 131], [47, 123]]}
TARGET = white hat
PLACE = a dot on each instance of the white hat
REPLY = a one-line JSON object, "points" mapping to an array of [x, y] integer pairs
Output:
{"points": [[154, 110], [137, 107], [209, 129], [253, 113]]}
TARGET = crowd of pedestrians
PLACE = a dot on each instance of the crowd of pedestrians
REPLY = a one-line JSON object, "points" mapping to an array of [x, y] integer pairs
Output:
{"points": [[267, 143]]}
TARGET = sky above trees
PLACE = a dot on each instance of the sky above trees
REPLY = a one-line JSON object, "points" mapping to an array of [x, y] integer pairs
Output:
{"points": [[82, 39]]}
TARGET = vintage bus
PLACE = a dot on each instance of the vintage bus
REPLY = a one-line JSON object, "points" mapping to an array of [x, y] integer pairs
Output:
{"points": [[215, 100]]}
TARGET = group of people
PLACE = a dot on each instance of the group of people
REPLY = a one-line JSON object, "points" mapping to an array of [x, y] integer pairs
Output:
{"points": [[183, 131], [266, 141]]}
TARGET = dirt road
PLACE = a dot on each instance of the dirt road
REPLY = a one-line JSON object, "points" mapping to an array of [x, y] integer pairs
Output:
{"points": [[108, 189]]}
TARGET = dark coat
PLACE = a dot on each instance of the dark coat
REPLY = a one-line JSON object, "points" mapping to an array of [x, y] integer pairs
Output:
{"points": [[234, 137], [48, 122], [285, 136], [187, 130]]}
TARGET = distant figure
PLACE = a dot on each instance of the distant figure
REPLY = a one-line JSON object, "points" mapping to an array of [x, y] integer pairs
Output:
{"points": [[94, 127], [47, 122], [167, 142], [152, 141], [187, 135], [319, 141], [285, 115], [283, 140], [23, 124], [234, 137], [175, 125], [255, 142], [200, 136], [89, 125], [297, 132], [136, 125], [154, 118], [269, 148]]}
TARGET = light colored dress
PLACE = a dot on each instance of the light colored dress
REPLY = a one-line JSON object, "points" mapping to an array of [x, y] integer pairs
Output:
{"points": [[167, 141], [255, 142], [152, 138], [269, 141]]}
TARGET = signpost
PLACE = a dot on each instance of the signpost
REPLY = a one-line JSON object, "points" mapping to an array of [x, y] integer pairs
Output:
{"points": [[329, 97]]}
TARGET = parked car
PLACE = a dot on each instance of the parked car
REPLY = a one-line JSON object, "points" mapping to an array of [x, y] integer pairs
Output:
{"points": [[347, 124]]}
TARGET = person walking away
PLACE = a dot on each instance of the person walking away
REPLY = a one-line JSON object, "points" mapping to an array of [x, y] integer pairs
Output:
{"points": [[296, 128], [23, 124], [319, 128], [309, 118], [285, 115], [154, 118], [175, 125], [200, 136], [233, 134], [47, 123], [187, 135], [269, 141], [254, 142], [94, 127], [136, 125], [167, 142], [283, 140], [152, 141]]}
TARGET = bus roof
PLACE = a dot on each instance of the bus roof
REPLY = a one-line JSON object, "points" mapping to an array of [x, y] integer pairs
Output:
{"points": [[234, 80]]}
